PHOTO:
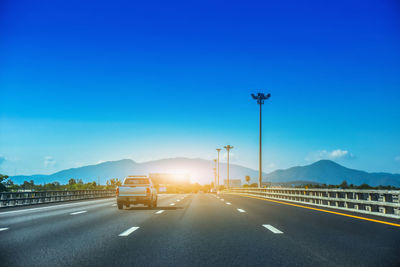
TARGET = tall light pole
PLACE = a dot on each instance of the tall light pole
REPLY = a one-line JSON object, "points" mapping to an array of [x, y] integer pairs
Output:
{"points": [[228, 147], [260, 97], [218, 150], [215, 173]]}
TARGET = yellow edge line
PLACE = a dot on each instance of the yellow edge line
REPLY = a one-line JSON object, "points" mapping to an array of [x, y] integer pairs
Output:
{"points": [[328, 211]]}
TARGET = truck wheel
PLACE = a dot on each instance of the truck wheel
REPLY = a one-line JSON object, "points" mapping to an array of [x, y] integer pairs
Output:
{"points": [[120, 205]]}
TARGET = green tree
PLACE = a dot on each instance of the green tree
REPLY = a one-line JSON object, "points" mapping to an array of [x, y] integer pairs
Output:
{"points": [[3, 182], [71, 181], [344, 185], [247, 179], [28, 185]]}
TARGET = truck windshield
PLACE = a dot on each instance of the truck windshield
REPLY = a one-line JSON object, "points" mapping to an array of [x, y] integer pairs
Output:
{"points": [[137, 181]]}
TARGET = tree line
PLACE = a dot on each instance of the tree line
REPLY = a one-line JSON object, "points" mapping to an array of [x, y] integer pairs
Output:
{"points": [[345, 185], [7, 185]]}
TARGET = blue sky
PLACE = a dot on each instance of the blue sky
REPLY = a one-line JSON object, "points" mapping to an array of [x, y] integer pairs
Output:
{"points": [[82, 83]]}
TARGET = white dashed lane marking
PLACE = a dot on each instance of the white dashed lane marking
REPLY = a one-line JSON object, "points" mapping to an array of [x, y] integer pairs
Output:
{"points": [[129, 231], [240, 210], [160, 211], [172, 204], [272, 229], [78, 212], [3, 229], [228, 203]]}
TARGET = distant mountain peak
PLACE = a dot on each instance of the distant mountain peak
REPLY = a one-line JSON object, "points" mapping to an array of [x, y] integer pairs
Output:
{"points": [[326, 162], [129, 161], [330, 172]]}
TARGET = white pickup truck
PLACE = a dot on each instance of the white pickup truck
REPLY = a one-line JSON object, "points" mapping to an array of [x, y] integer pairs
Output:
{"points": [[136, 190]]}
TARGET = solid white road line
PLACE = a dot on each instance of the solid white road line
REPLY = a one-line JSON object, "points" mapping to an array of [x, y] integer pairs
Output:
{"points": [[272, 229], [113, 205], [160, 211], [228, 203], [172, 204], [3, 229], [240, 210], [129, 231], [78, 212]]}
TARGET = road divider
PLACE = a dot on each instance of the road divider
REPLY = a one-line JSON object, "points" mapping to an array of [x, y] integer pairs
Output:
{"points": [[129, 231], [17, 199], [57, 206], [383, 203], [272, 229]]}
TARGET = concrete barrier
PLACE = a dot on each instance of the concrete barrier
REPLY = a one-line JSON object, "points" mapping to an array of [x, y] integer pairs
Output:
{"points": [[12, 199]]}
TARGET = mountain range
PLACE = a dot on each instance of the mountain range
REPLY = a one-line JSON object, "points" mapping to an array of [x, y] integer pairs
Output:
{"points": [[200, 170]]}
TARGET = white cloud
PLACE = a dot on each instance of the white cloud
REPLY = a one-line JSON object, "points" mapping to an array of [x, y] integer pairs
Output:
{"points": [[338, 153], [49, 161], [333, 155]]}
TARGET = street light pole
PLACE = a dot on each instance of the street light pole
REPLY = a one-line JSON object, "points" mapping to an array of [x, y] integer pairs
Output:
{"points": [[260, 97], [215, 174], [228, 147], [218, 150]]}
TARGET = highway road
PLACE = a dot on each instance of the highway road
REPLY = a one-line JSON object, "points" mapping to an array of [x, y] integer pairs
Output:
{"points": [[192, 230]]}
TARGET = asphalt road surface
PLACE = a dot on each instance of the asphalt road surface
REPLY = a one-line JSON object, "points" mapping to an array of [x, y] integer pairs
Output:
{"points": [[192, 230]]}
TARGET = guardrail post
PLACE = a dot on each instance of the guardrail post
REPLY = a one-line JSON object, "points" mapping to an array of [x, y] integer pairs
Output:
{"points": [[388, 198]]}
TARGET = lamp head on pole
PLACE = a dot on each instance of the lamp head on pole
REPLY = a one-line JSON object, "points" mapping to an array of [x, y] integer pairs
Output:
{"points": [[228, 147], [260, 97]]}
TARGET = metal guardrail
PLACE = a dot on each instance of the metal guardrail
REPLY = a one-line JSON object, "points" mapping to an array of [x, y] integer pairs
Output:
{"points": [[374, 202], [12, 199]]}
